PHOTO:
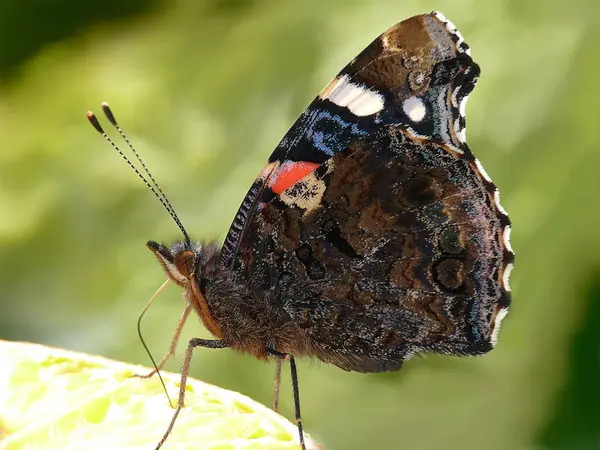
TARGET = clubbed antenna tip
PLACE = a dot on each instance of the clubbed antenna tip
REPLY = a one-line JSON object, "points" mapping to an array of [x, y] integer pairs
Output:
{"points": [[94, 121], [109, 114]]}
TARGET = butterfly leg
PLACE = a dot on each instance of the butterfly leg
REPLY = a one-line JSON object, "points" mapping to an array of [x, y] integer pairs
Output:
{"points": [[295, 389], [276, 384], [173, 346], [207, 343]]}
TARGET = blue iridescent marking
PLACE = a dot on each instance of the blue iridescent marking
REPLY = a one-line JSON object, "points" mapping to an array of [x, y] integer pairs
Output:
{"points": [[330, 133], [321, 132]]}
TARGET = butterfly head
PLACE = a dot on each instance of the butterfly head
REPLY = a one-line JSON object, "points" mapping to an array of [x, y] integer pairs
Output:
{"points": [[185, 261], [180, 261]]}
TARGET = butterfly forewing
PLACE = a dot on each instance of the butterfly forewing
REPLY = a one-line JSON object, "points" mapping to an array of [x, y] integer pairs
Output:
{"points": [[407, 76]]}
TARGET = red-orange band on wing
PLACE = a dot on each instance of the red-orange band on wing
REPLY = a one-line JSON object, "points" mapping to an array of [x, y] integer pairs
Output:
{"points": [[289, 173]]}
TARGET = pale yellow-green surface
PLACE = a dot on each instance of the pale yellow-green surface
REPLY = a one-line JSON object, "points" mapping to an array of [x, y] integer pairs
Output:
{"points": [[52, 398], [206, 88]]}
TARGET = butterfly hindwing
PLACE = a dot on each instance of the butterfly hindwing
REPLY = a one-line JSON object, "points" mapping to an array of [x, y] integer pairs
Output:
{"points": [[403, 253]]}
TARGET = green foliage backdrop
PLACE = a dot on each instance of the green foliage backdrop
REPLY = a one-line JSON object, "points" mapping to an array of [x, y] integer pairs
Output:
{"points": [[206, 89]]}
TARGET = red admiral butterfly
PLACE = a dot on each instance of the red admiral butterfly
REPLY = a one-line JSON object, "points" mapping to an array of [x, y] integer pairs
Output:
{"points": [[372, 233]]}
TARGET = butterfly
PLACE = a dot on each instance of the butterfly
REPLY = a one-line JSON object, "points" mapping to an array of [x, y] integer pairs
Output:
{"points": [[371, 235]]}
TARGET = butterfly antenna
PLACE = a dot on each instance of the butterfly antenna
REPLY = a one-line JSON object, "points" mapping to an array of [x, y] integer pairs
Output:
{"points": [[111, 118], [152, 184]]}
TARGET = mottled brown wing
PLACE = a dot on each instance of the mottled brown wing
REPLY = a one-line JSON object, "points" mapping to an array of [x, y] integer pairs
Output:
{"points": [[373, 225], [395, 246]]}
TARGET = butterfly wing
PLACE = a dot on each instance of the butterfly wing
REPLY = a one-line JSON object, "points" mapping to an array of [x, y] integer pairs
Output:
{"points": [[392, 81], [387, 240]]}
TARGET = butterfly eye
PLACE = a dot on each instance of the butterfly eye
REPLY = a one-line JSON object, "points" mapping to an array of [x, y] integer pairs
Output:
{"points": [[184, 261]]}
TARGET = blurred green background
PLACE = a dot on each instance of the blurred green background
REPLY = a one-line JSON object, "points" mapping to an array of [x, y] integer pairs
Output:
{"points": [[206, 89]]}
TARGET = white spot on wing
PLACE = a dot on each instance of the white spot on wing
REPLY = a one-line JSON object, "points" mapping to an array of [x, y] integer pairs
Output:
{"points": [[482, 171], [506, 238], [497, 201], [462, 109], [506, 276], [497, 321], [414, 108], [359, 100]]}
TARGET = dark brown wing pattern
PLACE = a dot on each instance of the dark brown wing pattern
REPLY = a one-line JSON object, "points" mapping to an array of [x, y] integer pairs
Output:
{"points": [[396, 242], [393, 247]]}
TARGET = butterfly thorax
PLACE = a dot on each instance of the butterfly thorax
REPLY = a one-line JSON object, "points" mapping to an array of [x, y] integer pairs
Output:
{"points": [[250, 323]]}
